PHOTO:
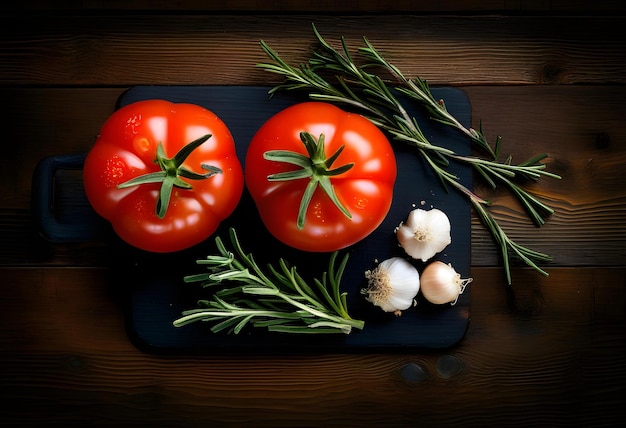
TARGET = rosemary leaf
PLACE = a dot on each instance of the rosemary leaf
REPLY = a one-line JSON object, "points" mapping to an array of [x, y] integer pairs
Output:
{"points": [[276, 299], [332, 75]]}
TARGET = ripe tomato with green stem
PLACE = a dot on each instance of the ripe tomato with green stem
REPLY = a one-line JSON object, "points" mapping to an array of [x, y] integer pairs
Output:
{"points": [[164, 174], [321, 178]]}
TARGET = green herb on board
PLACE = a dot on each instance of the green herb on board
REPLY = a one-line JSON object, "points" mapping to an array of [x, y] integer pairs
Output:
{"points": [[277, 299], [331, 75]]}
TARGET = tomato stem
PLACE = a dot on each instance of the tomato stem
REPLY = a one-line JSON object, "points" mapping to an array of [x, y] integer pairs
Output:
{"points": [[316, 167], [171, 171]]}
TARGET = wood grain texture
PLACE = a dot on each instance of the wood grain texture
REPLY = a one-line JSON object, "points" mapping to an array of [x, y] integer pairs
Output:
{"points": [[546, 75], [584, 137], [205, 49], [71, 360], [325, 6]]}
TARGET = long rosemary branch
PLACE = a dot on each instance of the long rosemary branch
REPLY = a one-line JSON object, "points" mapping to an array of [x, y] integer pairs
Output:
{"points": [[357, 87], [279, 299]]}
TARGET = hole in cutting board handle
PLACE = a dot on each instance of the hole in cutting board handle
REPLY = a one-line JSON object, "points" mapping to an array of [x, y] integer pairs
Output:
{"points": [[59, 203]]}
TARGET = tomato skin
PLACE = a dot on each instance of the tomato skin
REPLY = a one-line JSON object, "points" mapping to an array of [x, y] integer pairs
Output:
{"points": [[126, 148], [366, 189]]}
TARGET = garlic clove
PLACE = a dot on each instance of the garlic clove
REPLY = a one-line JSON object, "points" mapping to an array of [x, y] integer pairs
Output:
{"points": [[440, 283], [392, 285], [425, 233]]}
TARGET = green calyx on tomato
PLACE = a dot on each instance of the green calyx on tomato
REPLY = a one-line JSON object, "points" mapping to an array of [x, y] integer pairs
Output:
{"points": [[171, 171], [143, 159], [327, 202], [315, 166]]}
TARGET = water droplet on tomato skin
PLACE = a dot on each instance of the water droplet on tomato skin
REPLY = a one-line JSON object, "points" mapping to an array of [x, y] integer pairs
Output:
{"points": [[115, 171], [317, 211], [143, 145], [361, 203], [133, 124]]}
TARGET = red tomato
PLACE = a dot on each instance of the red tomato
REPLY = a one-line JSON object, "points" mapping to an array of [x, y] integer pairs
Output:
{"points": [[206, 184], [363, 180]]}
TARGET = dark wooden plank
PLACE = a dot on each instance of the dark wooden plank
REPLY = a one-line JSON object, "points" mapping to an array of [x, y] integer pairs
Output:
{"points": [[368, 6], [556, 346], [548, 76], [581, 129], [132, 49], [580, 126]]}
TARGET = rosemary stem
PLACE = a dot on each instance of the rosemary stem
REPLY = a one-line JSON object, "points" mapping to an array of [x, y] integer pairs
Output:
{"points": [[283, 300], [360, 88], [200, 315]]}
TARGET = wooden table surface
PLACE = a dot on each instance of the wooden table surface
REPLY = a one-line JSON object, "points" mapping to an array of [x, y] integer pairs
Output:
{"points": [[545, 351]]}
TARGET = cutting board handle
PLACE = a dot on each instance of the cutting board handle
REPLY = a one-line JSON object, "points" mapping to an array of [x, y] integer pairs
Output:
{"points": [[59, 203]]}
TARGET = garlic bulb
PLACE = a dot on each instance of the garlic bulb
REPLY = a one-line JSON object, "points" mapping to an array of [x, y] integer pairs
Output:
{"points": [[440, 283], [425, 233], [393, 285]]}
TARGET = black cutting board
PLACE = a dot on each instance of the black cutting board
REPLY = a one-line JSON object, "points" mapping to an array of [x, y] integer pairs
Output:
{"points": [[156, 294]]}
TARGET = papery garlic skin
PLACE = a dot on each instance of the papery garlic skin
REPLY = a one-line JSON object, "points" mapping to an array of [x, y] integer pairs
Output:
{"points": [[424, 234], [392, 285], [441, 284]]}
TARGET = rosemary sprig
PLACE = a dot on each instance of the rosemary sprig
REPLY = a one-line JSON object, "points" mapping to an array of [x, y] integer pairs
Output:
{"points": [[419, 90], [375, 98], [278, 299]]}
